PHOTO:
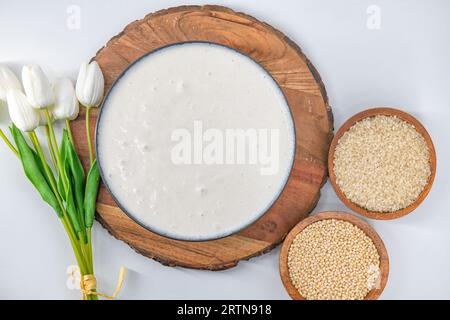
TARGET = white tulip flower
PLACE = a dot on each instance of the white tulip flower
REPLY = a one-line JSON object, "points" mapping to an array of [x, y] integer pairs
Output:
{"points": [[37, 87], [90, 85], [22, 114], [8, 81], [66, 105]]}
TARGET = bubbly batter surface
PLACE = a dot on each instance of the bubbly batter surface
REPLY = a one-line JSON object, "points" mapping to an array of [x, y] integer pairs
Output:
{"points": [[210, 93]]}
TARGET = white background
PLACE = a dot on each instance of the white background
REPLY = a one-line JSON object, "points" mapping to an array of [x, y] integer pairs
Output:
{"points": [[403, 64]]}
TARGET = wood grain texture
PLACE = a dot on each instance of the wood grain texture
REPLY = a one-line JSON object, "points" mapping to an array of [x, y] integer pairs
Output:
{"points": [[364, 226], [306, 97], [420, 129]]}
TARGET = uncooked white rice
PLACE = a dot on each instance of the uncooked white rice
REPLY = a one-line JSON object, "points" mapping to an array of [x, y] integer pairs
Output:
{"points": [[382, 163]]}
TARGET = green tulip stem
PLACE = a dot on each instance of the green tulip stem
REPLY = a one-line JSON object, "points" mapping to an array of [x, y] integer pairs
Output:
{"points": [[49, 142], [88, 135], [69, 131], [89, 245], [8, 143], [54, 145], [76, 249], [85, 252]]}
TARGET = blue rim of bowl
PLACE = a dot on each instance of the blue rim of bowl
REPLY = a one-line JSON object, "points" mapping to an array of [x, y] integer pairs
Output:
{"points": [[168, 234]]}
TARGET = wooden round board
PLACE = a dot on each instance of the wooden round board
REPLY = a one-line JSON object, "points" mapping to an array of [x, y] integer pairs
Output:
{"points": [[307, 99]]}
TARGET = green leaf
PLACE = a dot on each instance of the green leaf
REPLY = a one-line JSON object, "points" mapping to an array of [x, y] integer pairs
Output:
{"points": [[72, 210], [62, 148], [33, 170], [40, 165], [61, 189], [90, 198], [62, 152], [71, 182], [76, 172]]}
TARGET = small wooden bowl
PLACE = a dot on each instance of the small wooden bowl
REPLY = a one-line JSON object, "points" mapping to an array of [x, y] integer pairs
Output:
{"points": [[364, 226], [387, 112]]}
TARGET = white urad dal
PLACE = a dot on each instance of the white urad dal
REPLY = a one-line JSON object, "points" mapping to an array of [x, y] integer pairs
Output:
{"points": [[177, 87]]}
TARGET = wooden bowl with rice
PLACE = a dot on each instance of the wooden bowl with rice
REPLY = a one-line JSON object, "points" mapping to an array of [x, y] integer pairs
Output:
{"points": [[382, 174], [292, 279]]}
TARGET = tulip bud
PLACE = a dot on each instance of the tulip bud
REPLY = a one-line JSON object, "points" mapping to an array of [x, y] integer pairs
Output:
{"points": [[66, 103], [37, 87], [90, 85], [8, 81], [21, 112]]}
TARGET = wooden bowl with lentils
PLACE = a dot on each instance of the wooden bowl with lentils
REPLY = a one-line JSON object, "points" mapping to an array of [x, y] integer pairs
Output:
{"points": [[333, 256], [382, 163]]}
